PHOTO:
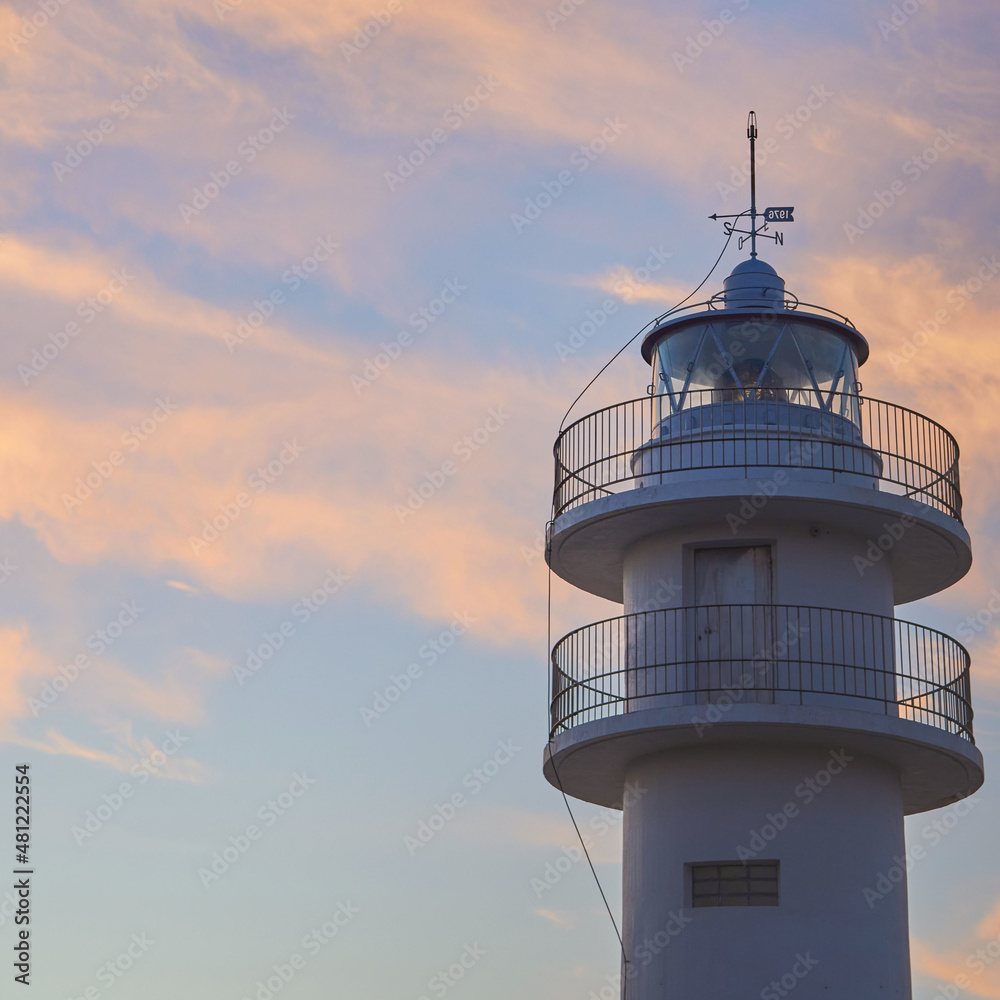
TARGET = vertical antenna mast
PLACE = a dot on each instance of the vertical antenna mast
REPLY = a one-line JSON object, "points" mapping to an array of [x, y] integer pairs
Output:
{"points": [[752, 135], [777, 213]]}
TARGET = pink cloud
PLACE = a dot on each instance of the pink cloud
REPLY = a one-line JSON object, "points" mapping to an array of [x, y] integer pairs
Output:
{"points": [[108, 696]]}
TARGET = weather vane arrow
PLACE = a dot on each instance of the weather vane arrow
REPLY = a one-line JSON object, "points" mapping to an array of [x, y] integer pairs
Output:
{"points": [[774, 214]]}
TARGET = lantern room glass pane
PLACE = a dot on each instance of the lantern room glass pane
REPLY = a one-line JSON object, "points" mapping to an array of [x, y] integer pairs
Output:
{"points": [[764, 358]]}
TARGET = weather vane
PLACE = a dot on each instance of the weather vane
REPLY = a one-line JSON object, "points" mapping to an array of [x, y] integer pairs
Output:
{"points": [[779, 214]]}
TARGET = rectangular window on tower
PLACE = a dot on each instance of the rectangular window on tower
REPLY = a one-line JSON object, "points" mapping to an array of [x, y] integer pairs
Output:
{"points": [[733, 883]]}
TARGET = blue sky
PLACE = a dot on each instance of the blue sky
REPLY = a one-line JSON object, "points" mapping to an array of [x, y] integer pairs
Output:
{"points": [[275, 121]]}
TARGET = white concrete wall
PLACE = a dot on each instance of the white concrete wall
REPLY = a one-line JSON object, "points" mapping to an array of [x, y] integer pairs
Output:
{"points": [[824, 937], [808, 569]]}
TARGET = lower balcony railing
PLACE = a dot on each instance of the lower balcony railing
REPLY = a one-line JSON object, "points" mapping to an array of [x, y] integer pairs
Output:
{"points": [[720, 655]]}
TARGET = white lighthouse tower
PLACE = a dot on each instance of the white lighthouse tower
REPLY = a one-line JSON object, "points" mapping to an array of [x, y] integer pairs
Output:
{"points": [[758, 711]]}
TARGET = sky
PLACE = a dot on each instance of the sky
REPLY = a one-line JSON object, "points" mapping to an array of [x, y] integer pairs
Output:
{"points": [[292, 304]]}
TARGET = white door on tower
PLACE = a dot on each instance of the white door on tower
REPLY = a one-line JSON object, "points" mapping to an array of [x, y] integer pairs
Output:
{"points": [[733, 627]]}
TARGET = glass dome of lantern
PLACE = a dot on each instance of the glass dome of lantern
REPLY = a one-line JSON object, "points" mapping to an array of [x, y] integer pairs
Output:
{"points": [[755, 342], [757, 374]]}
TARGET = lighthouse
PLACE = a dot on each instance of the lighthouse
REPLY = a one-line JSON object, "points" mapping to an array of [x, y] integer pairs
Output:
{"points": [[760, 714]]}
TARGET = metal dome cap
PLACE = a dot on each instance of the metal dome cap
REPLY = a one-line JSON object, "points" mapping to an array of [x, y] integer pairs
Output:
{"points": [[753, 283]]}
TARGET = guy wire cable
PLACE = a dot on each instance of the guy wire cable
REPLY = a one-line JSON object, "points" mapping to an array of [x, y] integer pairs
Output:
{"points": [[659, 319], [548, 635]]}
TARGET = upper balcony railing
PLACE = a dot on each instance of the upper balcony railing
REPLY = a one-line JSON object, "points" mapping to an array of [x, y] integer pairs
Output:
{"points": [[721, 655], [645, 442]]}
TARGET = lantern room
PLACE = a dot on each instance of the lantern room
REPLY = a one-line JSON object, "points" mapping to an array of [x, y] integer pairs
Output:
{"points": [[756, 342]]}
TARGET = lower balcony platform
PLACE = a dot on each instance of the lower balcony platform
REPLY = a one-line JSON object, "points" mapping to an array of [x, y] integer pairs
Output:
{"points": [[738, 674], [936, 768]]}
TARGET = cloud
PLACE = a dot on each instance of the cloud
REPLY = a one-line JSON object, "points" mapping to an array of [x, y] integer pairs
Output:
{"points": [[556, 89], [434, 499], [106, 695], [149, 756], [622, 282], [986, 658], [20, 665], [521, 827], [989, 926], [177, 696], [253, 490], [831, 137], [128, 754], [559, 918], [932, 347], [974, 970]]}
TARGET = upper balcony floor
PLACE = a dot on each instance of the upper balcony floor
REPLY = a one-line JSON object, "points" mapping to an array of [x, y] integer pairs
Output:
{"points": [[812, 454]]}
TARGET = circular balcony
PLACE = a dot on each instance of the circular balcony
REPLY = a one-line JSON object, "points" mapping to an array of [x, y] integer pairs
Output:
{"points": [[684, 677], [779, 654], [670, 462], [646, 442]]}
